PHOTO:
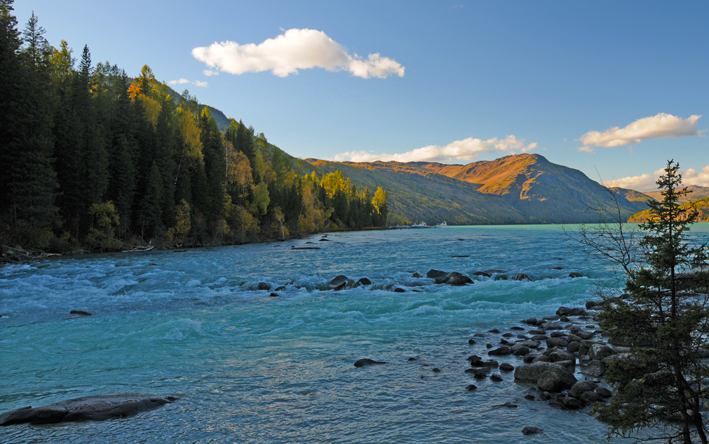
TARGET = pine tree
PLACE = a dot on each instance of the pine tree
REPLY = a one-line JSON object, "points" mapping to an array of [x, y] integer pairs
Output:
{"points": [[661, 383], [30, 178], [150, 207], [214, 165]]}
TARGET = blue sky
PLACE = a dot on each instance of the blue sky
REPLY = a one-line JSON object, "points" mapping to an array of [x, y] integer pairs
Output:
{"points": [[463, 80]]}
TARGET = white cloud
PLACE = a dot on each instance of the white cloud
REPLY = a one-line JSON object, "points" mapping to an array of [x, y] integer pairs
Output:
{"points": [[178, 82], [646, 182], [660, 126], [293, 50], [692, 177], [210, 73], [198, 83], [461, 150], [586, 149]]}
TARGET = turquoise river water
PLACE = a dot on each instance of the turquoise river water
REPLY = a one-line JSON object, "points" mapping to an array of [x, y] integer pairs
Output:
{"points": [[250, 368]]}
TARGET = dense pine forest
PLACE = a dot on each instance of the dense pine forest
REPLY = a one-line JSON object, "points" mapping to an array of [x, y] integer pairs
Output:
{"points": [[96, 160]]}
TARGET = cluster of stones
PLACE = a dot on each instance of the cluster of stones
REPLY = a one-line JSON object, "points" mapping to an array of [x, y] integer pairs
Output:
{"points": [[552, 369], [453, 278]]}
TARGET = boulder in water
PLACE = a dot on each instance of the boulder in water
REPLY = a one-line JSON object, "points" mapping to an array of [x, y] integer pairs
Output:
{"points": [[433, 274], [531, 430], [366, 361], [339, 283], [500, 351], [364, 281], [455, 278], [90, 408], [80, 313], [566, 311], [263, 286]]}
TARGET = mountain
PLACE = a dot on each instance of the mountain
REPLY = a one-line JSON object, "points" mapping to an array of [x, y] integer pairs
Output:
{"points": [[697, 192], [702, 206], [222, 120], [524, 188]]}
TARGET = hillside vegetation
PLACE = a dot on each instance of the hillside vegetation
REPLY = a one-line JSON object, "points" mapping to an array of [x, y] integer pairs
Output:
{"points": [[94, 160], [701, 205]]}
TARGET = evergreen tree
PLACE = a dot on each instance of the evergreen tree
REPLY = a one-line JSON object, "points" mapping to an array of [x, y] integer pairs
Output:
{"points": [[661, 383], [30, 180], [245, 143], [214, 165], [150, 207]]}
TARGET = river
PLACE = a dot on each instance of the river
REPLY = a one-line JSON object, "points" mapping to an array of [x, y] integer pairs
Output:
{"points": [[250, 368]]}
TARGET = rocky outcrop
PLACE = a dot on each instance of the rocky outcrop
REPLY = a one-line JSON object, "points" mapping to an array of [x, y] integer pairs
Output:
{"points": [[90, 408]]}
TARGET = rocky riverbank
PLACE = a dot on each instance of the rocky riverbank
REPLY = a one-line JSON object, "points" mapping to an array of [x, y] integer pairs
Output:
{"points": [[559, 359]]}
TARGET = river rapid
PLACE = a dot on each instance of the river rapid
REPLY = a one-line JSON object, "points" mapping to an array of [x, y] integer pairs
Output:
{"points": [[250, 368]]}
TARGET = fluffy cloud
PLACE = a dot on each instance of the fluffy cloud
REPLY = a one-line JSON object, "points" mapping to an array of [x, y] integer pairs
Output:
{"points": [[660, 126], [209, 73], [465, 150], [178, 82], [646, 182], [198, 83], [293, 50]]}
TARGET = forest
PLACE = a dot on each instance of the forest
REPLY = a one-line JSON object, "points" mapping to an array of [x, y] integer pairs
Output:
{"points": [[93, 159]]}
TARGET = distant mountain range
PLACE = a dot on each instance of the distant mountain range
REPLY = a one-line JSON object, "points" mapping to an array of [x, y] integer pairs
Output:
{"points": [[524, 188], [696, 193]]}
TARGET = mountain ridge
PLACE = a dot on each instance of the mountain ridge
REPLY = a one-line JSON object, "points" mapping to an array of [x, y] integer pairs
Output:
{"points": [[519, 188]]}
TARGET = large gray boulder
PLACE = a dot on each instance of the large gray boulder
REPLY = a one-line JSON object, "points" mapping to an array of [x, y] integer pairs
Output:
{"points": [[561, 355], [433, 274], [549, 376], [580, 388], [594, 368], [566, 311], [599, 352], [532, 372], [556, 379], [90, 408]]}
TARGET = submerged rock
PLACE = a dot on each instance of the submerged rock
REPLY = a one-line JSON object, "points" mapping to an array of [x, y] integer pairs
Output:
{"points": [[80, 313], [450, 278], [531, 430], [367, 361], [90, 408], [263, 286]]}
